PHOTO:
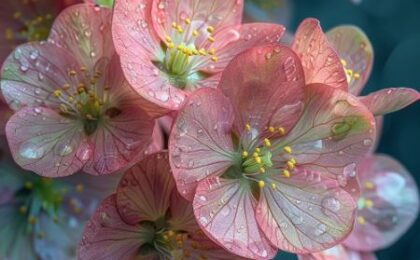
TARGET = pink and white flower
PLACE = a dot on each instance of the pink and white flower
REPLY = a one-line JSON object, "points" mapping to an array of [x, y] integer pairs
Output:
{"points": [[169, 48], [147, 219], [74, 108]]}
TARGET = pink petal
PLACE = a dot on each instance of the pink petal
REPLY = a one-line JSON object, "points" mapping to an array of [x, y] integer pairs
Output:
{"points": [[390, 100], [144, 191], [182, 215], [43, 141], [260, 82], [106, 235], [225, 210], [5, 114], [158, 140], [215, 13], [395, 204], [334, 132], [32, 73], [233, 40], [338, 252], [121, 142], [85, 31], [319, 59], [305, 213], [200, 143], [354, 47]]}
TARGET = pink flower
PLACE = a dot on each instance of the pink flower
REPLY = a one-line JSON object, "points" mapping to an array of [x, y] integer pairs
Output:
{"points": [[170, 48], [30, 20], [74, 109], [338, 252], [147, 219], [268, 160]]}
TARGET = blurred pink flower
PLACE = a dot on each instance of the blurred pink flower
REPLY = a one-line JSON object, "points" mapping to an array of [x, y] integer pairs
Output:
{"points": [[269, 158], [170, 48], [74, 109], [147, 219], [22, 21], [338, 252]]}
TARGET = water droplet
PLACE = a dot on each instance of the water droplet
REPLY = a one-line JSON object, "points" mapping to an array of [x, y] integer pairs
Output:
{"points": [[162, 5], [63, 149], [350, 170], [24, 67], [203, 220], [38, 110], [92, 54], [297, 220], [202, 198], [34, 54], [225, 211], [264, 253], [367, 142], [330, 204], [30, 150], [320, 229], [84, 152]]}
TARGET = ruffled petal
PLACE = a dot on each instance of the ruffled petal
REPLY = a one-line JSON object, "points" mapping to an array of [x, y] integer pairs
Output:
{"points": [[120, 142], [338, 252], [387, 207], [44, 142], [106, 235], [233, 40], [305, 213], [144, 191], [225, 211], [85, 31], [319, 59], [356, 53], [32, 73], [200, 144], [334, 132], [202, 14], [390, 100], [260, 82]]}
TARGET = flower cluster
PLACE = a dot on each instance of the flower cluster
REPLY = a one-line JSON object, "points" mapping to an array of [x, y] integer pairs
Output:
{"points": [[225, 142]]}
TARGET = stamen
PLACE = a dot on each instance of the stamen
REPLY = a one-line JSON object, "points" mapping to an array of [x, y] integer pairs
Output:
{"points": [[361, 220], [57, 93], [262, 170], [271, 129], [211, 39], [212, 51], [267, 142], [286, 173], [210, 29], [290, 165], [368, 203], [248, 127], [261, 184], [369, 185], [187, 21], [273, 185], [214, 59], [282, 131], [195, 33], [244, 154], [287, 149]]}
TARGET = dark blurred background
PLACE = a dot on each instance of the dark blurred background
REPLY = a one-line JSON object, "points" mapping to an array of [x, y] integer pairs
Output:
{"points": [[393, 27]]}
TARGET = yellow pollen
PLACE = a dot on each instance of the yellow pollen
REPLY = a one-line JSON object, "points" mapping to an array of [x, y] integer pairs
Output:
{"points": [[271, 129], [244, 154], [174, 25], [356, 75], [343, 62], [202, 52], [214, 59], [211, 39], [369, 185], [282, 131], [195, 33], [212, 51], [63, 108], [369, 203], [210, 29], [261, 184], [179, 29], [165, 237], [258, 160], [287, 149], [57, 93], [83, 69], [267, 142], [286, 173], [248, 127], [187, 21], [361, 220], [257, 150], [262, 170], [23, 210], [29, 185], [290, 165], [171, 45], [274, 186], [255, 154], [171, 233], [168, 39], [72, 73], [293, 160], [66, 86]]}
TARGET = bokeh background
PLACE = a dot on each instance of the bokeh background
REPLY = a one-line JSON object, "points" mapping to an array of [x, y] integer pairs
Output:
{"points": [[393, 27]]}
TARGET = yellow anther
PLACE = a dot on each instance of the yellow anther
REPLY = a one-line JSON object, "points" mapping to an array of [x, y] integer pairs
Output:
{"points": [[369, 203], [287, 149], [257, 150], [293, 160], [290, 165], [286, 173], [261, 184], [187, 21], [258, 160], [29, 185], [83, 69], [195, 52], [79, 188], [179, 29], [248, 127], [72, 73], [165, 237], [211, 39], [171, 45], [174, 25], [210, 29], [63, 108], [171, 233], [168, 39], [23, 210], [349, 73], [202, 52], [214, 59], [356, 76], [361, 220], [255, 154], [343, 62], [369, 185], [244, 154], [262, 170], [90, 117], [267, 142], [282, 131], [273, 185], [195, 33], [212, 51], [57, 93], [66, 86], [31, 220], [271, 129]]}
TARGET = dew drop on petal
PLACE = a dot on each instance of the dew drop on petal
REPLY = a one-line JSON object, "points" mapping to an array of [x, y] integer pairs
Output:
{"points": [[330, 204], [320, 229], [34, 54], [203, 220], [63, 149], [30, 150]]}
